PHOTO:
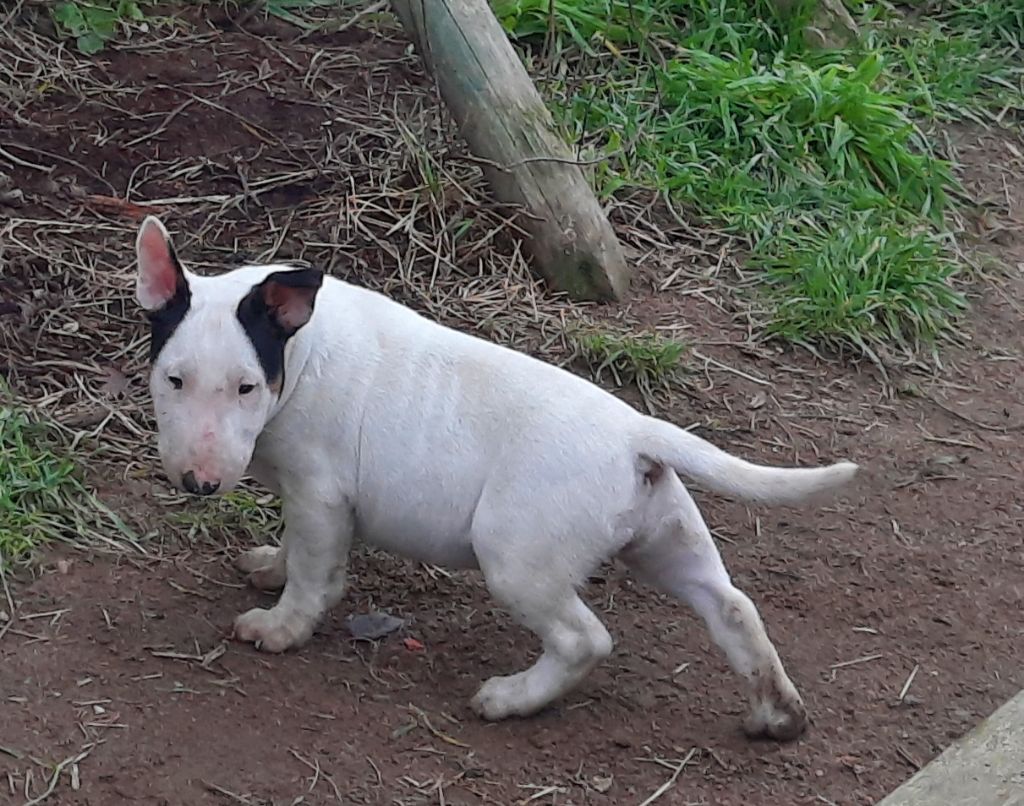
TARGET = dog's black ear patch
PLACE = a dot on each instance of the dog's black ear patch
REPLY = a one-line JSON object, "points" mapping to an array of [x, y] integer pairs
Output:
{"points": [[273, 311], [164, 320]]}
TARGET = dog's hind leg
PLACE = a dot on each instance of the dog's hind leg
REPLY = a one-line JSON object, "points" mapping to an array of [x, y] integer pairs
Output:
{"points": [[318, 540], [265, 567], [679, 557], [539, 596]]}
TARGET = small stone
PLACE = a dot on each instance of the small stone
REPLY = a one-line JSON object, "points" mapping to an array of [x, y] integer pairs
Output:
{"points": [[601, 783], [12, 198]]}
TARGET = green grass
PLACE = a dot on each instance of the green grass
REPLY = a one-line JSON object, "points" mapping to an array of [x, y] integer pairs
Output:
{"points": [[647, 360], [94, 24], [865, 277], [817, 159], [241, 516], [965, 61], [42, 497]]}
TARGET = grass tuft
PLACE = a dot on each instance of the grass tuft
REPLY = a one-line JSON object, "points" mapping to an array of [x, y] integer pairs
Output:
{"points": [[93, 23], [964, 61], [41, 495], [646, 360], [242, 516], [869, 282], [750, 142]]}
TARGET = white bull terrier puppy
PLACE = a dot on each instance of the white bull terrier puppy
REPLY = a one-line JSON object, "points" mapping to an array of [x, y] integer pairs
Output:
{"points": [[371, 421]]}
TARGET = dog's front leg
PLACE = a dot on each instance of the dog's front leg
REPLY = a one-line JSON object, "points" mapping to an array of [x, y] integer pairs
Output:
{"points": [[265, 567], [318, 538]]}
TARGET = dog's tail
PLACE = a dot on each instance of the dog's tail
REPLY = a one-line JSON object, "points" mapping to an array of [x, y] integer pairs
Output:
{"points": [[698, 459]]}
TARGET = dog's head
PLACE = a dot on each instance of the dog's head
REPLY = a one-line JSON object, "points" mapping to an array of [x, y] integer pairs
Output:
{"points": [[218, 351]]}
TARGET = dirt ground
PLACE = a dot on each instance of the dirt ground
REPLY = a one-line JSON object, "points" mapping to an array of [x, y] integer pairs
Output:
{"points": [[896, 608]]}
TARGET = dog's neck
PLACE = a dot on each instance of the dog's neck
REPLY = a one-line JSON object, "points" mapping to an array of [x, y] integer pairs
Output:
{"points": [[296, 355]]}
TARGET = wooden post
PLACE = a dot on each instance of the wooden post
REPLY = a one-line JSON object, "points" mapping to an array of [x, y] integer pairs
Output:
{"points": [[505, 123]]}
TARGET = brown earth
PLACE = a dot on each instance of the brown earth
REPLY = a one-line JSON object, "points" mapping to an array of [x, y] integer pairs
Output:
{"points": [[897, 609]]}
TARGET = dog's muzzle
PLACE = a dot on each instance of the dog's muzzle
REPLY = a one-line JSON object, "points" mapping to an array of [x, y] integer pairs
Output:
{"points": [[192, 485]]}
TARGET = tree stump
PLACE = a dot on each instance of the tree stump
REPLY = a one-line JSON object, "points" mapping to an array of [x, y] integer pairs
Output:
{"points": [[504, 122]]}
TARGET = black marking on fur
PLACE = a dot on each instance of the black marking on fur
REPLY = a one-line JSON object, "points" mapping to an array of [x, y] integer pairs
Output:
{"points": [[262, 325], [164, 321]]}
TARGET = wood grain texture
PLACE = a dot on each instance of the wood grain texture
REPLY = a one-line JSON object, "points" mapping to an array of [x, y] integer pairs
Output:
{"points": [[504, 121]]}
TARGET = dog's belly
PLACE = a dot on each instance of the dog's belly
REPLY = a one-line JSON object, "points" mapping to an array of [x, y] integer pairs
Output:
{"points": [[425, 539], [426, 548]]}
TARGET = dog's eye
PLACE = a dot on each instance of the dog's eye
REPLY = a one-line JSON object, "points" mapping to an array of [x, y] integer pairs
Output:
{"points": [[245, 388], [175, 381]]}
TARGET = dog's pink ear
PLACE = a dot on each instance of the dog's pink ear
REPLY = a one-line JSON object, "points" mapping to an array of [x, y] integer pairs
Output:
{"points": [[160, 278], [289, 297]]}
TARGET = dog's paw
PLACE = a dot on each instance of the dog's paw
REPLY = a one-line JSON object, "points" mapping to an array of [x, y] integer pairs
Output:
{"points": [[783, 721], [502, 697], [256, 559], [273, 630]]}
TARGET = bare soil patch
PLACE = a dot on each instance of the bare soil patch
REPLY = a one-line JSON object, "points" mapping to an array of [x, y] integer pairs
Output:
{"points": [[333, 149]]}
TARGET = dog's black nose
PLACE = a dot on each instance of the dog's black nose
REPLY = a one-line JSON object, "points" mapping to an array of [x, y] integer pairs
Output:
{"points": [[192, 485], [188, 481]]}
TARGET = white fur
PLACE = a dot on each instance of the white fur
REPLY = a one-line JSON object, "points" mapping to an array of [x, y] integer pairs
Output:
{"points": [[454, 451]]}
